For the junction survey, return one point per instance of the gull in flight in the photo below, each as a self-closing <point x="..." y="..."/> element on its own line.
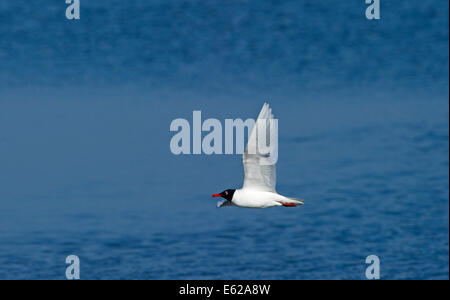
<point x="258" y="190"/>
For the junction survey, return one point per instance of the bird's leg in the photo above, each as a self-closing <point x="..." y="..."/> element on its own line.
<point x="285" y="204"/>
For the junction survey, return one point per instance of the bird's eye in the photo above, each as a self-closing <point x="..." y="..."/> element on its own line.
<point x="226" y="193"/>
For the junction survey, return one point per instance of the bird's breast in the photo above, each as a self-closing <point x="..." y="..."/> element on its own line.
<point x="254" y="198"/>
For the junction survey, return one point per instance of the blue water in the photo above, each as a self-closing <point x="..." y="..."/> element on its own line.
<point x="85" y="164"/>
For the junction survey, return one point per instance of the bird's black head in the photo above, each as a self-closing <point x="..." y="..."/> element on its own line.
<point x="227" y="194"/>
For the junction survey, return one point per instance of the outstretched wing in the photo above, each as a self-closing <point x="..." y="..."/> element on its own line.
<point x="260" y="155"/>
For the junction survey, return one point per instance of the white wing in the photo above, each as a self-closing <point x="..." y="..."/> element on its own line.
<point x="260" y="166"/>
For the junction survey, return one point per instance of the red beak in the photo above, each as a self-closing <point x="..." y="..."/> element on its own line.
<point x="216" y="195"/>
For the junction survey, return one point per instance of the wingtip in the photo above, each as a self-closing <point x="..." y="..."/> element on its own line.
<point x="266" y="112"/>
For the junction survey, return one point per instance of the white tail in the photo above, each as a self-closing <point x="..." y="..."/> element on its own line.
<point x="297" y="201"/>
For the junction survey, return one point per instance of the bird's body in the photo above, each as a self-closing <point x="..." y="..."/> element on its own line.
<point x="258" y="190"/>
<point x="261" y="199"/>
